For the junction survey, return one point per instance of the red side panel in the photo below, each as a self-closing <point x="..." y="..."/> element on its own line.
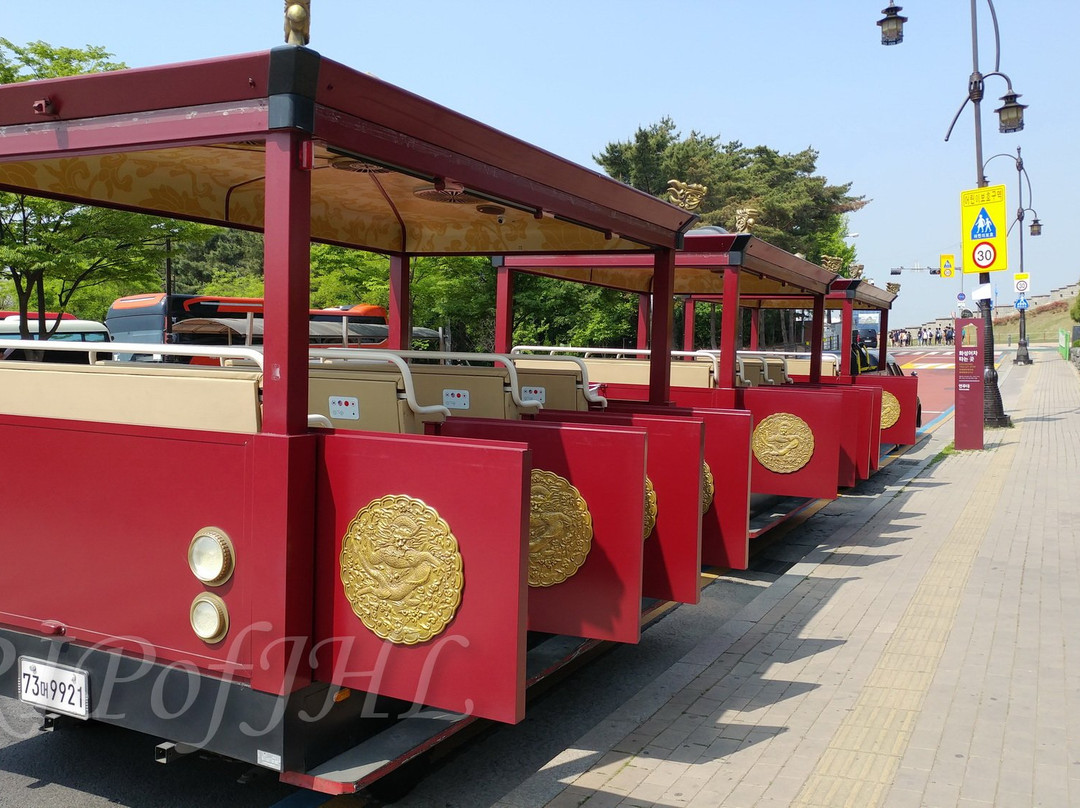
<point x="817" y="479"/>
<point x="97" y="523"/>
<point x="602" y="600"/>
<point x="672" y="568"/>
<point x="725" y="525"/>
<point x="906" y="390"/>
<point x="871" y="421"/>
<point x="856" y="433"/>
<point x="821" y="409"/>
<point x="476" y="665"/>
<point x="720" y="398"/>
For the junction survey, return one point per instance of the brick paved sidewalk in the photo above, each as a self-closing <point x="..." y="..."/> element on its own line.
<point x="927" y="653"/>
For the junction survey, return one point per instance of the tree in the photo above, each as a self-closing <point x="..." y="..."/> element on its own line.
<point x="793" y="207"/>
<point x="39" y="60"/>
<point x="549" y="311"/>
<point x="223" y="256"/>
<point x="797" y="210"/>
<point x="52" y="249"/>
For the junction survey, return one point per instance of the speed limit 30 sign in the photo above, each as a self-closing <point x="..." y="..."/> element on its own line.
<point x="1021" y="282"/>
<point x="984" y="254"/>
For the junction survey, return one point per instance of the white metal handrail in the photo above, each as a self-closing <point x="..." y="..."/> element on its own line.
<point x="455" y="356"/>
<point x="373" y="357"/>
<point x="154" y="349"/>
<point x="646" y="352"/>
<point x="590" y="395"/>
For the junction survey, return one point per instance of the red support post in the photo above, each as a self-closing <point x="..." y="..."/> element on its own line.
<point x="847" y="337"/>
<point x="504" y="310"/>
<point x="662" y="315"/>
<point x="283" y="498"/>
<point x="399" y="317"/>
<point x="729" y="328"/>
<point x="688" y="324"/>
<point x="286" y="258"/>
<point x="755" y="329"/>
<point x="883" y="339"/>
<point x="643" y="322"/>
<point x="817" y="339"/>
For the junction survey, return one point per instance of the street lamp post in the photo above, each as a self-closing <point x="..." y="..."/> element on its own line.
<point x="1022" y="356"/>
<point x="1010" y="119"/>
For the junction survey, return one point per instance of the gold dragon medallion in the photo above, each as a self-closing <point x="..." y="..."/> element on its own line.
<point x="650" y="509"/>
<point x="401" y="569"/>
<point x="560" y="529"/>
<point x="783" y="443"/>
<point x="708" y="486"/>
<point x="890" y="409"/>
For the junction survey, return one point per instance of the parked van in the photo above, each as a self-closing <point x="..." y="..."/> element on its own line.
<point x="68" y="330"/>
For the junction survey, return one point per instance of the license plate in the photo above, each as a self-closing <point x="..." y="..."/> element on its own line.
<point x="54" y="687"/>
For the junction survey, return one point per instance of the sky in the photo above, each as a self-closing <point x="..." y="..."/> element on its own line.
<point x="571" y="77"/>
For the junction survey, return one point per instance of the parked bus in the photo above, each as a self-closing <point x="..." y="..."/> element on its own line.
<point x="151" y="318"/>
<point x="181" y="319"/>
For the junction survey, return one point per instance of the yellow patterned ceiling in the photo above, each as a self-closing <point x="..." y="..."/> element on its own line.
<point x="371" y="209"/>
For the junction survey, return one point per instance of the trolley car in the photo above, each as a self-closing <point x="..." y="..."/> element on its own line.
<point x="365" y="537"/>
<point x="321" y="576"/>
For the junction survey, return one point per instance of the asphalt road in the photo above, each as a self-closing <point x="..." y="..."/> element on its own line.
<point x="91" y="765"/>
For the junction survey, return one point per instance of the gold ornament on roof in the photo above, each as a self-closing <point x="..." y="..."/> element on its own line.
<point x="401" y="569"/>
<point x="297" y="22"/>
<point x="833" y="263"/>
<point x="890" y="409"/>
<point x="783" y="443"/>
<point x="560" y="529"/>
<point x="893" y="288"/>
<point x="745" y="219"/>
<point x="687" y="195"/>
<point x="856" y="271"/>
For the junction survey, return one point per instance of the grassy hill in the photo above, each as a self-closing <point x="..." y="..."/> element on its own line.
<point x="1042" y="324"/>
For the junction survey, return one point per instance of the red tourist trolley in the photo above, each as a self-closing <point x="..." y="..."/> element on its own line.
<point x="371" y="539"/>
<point x="321" y="576"/>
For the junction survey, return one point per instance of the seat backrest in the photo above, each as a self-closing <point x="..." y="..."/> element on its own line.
<point x="557" y="388"/>
<point x="692" y="373"/>
<point x="357" y="397"/>
<point x="177" y="396"/>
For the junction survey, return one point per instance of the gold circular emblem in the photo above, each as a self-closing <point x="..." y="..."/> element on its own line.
<point x="708" y="486"/>
<point x="650" y="508"/>
<point x="783" y="443"/>
<point x="560" y="529"/>
<point x="401" y="569"/>
<point x="890" y="409"/>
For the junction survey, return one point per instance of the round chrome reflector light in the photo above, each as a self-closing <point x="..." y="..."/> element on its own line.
<point x="209" y="617"/>
<point x="211" y="556"/>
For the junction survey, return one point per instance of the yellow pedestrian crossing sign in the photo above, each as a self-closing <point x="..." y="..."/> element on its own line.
<point x="948" y="265"/>
<point x="983" y="220"/>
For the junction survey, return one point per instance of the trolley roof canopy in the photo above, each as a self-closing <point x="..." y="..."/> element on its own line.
<point x="390" y="172"/>
<point x="769" y="277"/>
<point x="699" y="267"/>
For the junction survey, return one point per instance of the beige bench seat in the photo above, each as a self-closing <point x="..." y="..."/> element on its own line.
<point x="177" y="396"/>
<point x="556" y="387"/>
<point x="465" y="390"/>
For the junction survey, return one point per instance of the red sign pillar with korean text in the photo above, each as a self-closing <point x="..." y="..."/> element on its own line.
<point x="968" y="418"/>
